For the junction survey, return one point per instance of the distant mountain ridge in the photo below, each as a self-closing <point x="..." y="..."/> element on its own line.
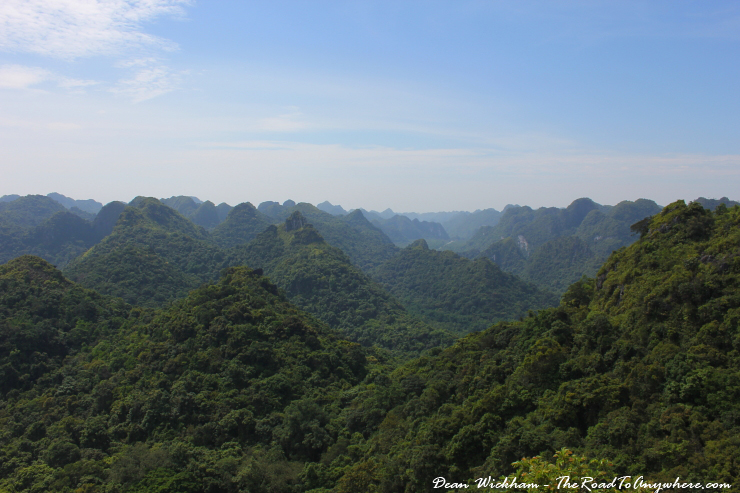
<point x="205" y="214"/>
<point x="551" y="247"/>
<point x="712" y="204"/>
<point x="365" y="244"/>
<point x="406" y="227"/>
<point x="554" y="247"/>
<point x="88" y="205"/>
<point x="335" y="210"/>
<point x="402" y="230"/>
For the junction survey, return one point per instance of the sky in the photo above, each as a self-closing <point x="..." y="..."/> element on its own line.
<point x="414" y="105"/>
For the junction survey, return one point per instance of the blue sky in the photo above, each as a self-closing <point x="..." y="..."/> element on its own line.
<point x="417" y="106"/>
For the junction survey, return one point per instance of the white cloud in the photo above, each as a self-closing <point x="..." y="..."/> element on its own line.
<point x="69" y="83"/>
<point x="70" y="29"/>
<point x="21" y="77"/>
<point x="469" y="160"/>
<point x="148" y="83"/>
<point x="136" y="62"/>
<point x="80" y="28"/>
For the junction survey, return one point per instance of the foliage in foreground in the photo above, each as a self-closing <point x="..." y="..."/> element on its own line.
<point x="231" y="389"/>
<point x="640" y="366"/>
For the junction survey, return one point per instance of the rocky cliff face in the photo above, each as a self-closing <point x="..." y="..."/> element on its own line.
<point x="295" y="221"/>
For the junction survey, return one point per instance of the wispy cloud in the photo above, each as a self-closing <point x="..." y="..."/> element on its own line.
<point x="464" y="160"/>
<point x="23" y="77"/>
<point x="136" y="62"/>
<point x="149" y="82"/>
<point x="71" y="29"/>
<point x="69" y="83"/>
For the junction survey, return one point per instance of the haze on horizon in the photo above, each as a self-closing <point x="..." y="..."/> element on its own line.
<point x="416" y="106"/>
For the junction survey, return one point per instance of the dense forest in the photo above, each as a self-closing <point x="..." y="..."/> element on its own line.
<point x="322" y="280"/>
<point x="554" y="247"/>
<point x="188" y="347"/>
<point x="457" y="293"/>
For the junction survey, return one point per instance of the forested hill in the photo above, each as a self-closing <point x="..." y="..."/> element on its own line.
<point x="235" y="389"/>
<point x="204" y="214"/>
<point x="41" y="226"/>
<point x="554" y="247"/>
<point x="29" y="211"/>
<point x="366" y="245"/>
<point x="402" y="230"/>
<point x="44" y="318"/>
<point x="153" y="255"/>
<point x="457" y="293"/>
<point x="640" y="366"/>
<point x="321" y="279"/>
<point x="243" y="223"/>
<point x="231" y="389"/>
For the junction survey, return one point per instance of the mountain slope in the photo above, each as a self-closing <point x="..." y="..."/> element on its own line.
<point x="465" y="224"/>
<point x="230" y="389"/>
<point x="321" y="279"/>
<point x="402" y="230"/>
<point x="152" y="256"/>
<point x="366" y="245"/>
<point x="536" y="226"/>
<point x="243" y="223"/>
<point x="106" y="219"/>
<point x="204" y="214"/>
<point x="29" y="211"/>
<point x="61" y="238"/>
<point x="459" y="294"/>
<point x="181" y="203"/>
<point x="41" y="226"/>
<point x="639" y="366"/>
<point x="44" y="318"/>
<point x="607" y="231"/>
<point x="555" y="247"/>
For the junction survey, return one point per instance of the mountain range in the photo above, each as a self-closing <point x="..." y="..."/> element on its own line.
<point x="250" y="384"/>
